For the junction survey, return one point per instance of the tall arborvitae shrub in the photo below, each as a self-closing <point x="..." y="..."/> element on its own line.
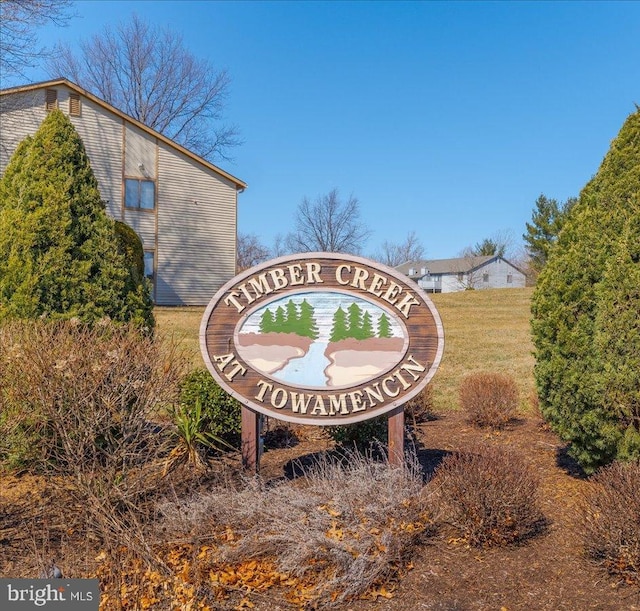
<point x="585" y="313"/>
<point x="59" y="254"/>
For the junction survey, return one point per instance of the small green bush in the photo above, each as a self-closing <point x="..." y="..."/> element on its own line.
<point x="610" y="520"/>
<point x="130" y="245"/>
<point x="220" y="414"/>
<point x="363" y="436"/>
<point x="489" y="399"/>
<point x="489" y="495"/>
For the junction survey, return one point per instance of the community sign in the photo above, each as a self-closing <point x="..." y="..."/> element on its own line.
<point x="321" y="338"/>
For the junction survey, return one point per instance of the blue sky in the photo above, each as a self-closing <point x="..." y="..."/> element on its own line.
<point x="444" y="118"/>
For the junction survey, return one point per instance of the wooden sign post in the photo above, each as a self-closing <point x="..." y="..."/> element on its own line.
<point x="323" y="339"/>
<point x="396" y="437"/>
<point x="250" y="440"/>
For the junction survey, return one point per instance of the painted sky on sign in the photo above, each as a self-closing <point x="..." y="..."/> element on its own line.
<point x="444" y="118"/>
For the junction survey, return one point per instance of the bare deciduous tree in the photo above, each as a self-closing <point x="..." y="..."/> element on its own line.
<point x="250" y="251"/>
<point x="468" y="276"/>
<point x="329" y="224"/>
<point x="501" y="243"/>
<point x="148" y="73"/>
<point x="279" y="247"/>
<point x="19" y="20"/>
<point x="395" y="254"/>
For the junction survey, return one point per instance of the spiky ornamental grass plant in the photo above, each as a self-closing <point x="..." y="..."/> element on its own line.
<point x="59" y="254"/>
<point x="585" y="314"/>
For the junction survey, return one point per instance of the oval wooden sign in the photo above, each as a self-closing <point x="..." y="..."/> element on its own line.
<point x="321" y="338"/>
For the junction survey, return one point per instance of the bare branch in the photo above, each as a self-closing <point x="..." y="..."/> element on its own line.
<point x="19" y="20"/>
<point x="329" y="225"/>
<point x="147" y="72"/>
<point x="396" y="254"/>
<point x="250" y="251"/>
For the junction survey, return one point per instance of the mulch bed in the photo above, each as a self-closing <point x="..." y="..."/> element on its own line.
<point x="548" y="572"/>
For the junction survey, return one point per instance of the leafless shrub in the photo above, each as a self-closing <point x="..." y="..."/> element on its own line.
<point x="344" y="527"/>
<point x="88" y="401"/>
<point x="489" y="496"/>
<point x="489" y="399"/>
<point x="419" y="409"/>
<point x="610" y="520"/>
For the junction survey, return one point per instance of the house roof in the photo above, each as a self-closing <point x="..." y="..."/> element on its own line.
<point x="446" y="266"/>
<point x="239" y="184"/>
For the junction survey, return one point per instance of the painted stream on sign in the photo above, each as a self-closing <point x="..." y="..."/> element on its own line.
<point x="308" y="370"/>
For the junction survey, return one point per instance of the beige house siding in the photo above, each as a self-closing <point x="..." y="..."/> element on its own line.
<point x="140" y="153"/>
<point x="140" y="161"/>
<point x="200" y="209"/>
<point x="192" y="229"/>
<point x="101" y="134"/>
<point x="144" y="224"/>
<point x="20" y="115"/>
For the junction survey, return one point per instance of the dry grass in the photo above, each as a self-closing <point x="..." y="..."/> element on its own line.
<point x="346" y="527"/>
<point x="183" y="325"/>
<point x="483" y="329"/>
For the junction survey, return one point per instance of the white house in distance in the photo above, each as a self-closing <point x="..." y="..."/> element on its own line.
<point x="450" y="275"/>
<point x="183" y="208"/>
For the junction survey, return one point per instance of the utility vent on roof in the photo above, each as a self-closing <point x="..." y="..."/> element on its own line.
<point x="51" y="99"/>
<point x="74" y="104"/>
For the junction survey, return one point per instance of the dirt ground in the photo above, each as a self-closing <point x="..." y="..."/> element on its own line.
<point x="548" y="572"/>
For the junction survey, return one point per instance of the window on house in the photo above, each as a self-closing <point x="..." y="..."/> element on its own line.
<point x="460" y="276"/>
<point x="74" y="104"/>
<point x="149" y="259"/>
<point x="50" y="99"/>
<point x="485" y="277"/>
<point x="412" y="271"/>
<point x="139" y="194"/>
<point x="509" y="278"/>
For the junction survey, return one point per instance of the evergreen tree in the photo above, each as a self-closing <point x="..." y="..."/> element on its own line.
<point x="585" y="310"/>
<point x="291" y="316"/>
<point x="617" y="338"/>
<point x="489" y="248"/>
<point x="367" y="326"/>
<point x="280" y="321"/>
<point x="307" y="322"/>
<point x="546" y="222"/>
<point x="267" y="323"/>
<point x="339" y="329"/>
<point x="130" y="245"/>
<point x="355" y="321"/>
<point x="59" y="252"/>
<point x="384" y="326"/>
